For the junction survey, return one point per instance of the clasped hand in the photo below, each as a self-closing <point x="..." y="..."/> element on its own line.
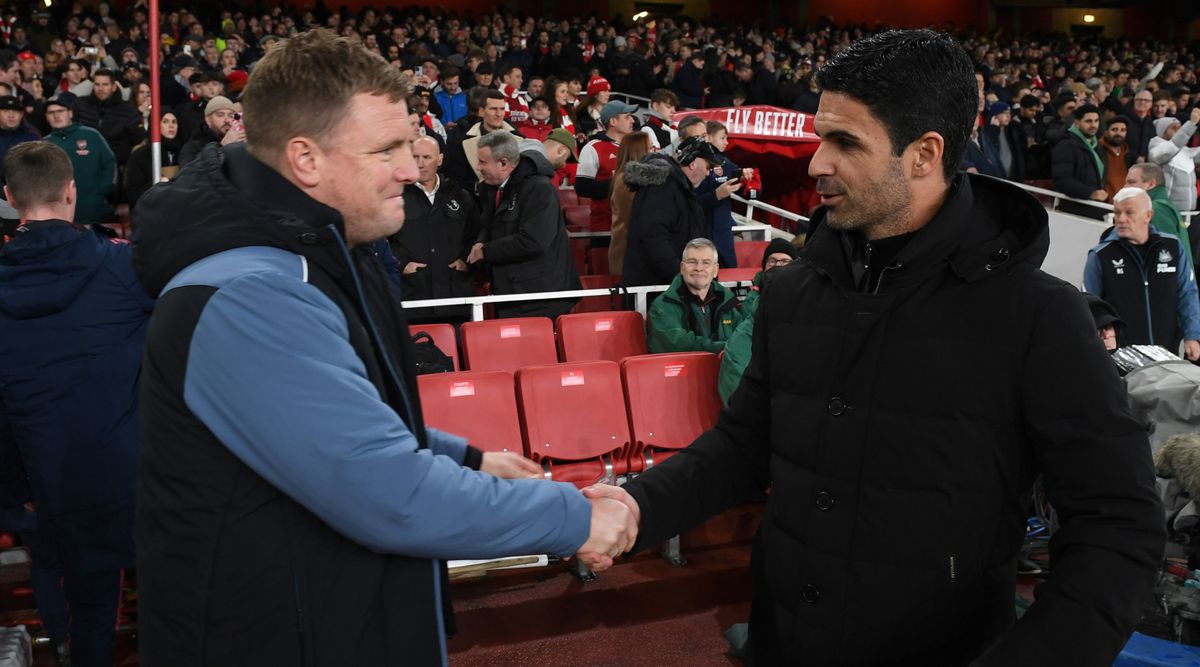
<point x="615" y="518"/>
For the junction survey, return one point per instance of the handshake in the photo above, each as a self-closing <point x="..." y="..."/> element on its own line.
<point x="615" y="518"/>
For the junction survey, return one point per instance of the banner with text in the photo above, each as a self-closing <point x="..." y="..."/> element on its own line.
<point x="763" y="123"/>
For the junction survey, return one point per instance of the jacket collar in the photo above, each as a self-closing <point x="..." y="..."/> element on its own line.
<point x="284" y="199"/>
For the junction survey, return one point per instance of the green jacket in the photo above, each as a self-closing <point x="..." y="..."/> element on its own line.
<point x="1167" y="219"/>
<point x="737" y="348"/>
<point x="95" y="169"/>
<point x="677" y="325"/>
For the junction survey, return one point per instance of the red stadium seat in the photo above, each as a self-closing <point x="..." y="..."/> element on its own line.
<point x="749" y="253"/>
<point x="748" y="273"/>
<point x="480" y="406"/>
<point x="672" y="399"/>
<point x="579" y="217"/>
<point x="598" y="261"/>
<point x="579" y="249"/>
<point x="595" y="304"/>
<point x="508" y="344"/>
<point x="611" y="335"/>
<point x="443" y="336"/>
<point x="567" y="198"/>
<point x="574" y="420"/>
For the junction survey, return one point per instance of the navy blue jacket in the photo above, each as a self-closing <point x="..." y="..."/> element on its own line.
<point x="74" y="321"/>
<point x="719" y="212"/>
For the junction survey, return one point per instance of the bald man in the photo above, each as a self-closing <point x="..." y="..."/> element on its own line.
<point x="1143" y="274"/>
<point x="440" y="224"/>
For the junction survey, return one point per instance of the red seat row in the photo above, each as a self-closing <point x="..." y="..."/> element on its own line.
<point x="509" y="344"/>
<point x="586" y="422"/>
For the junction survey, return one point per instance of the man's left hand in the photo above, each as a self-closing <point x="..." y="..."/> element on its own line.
<point x="476" y="254"/>
<point x="507" y="465"/>
<point x="1191" y="349"/>
<point x="458" y="265"/>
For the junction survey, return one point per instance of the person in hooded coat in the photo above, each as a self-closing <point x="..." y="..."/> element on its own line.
<point x="74" y="319"/>
<point x="911" y="374"/>
<point x="666" y="213"/>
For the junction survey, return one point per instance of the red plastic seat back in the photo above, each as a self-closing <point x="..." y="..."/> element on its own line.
<point x="567" y="198"/>
<point x="573" y="415"/>
<point x="610" y="335"/>
<point x="593" y="304"/>
<point x="748" y="273"/>
<point x="579" y="216"/>
<point x="598" y="261"/>
<point x="508" y="344"/>
<point x="443" y="337"/>
<point x="749" y="253"/>
<point x="480" y="406"/>
<point x="672" y="399"/>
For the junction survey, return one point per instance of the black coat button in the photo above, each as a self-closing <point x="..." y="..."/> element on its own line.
<point x="836" y="407"/>
<point x="810" y="594"/>
<point x="825" y="501"/>
<point x="309" y="238"/>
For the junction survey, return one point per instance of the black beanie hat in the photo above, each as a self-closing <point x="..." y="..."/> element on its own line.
<point x="778" y="245"/>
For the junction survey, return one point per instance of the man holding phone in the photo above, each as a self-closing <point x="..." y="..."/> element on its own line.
<point x="222" y="124"/>
<point x="714" y="194"/>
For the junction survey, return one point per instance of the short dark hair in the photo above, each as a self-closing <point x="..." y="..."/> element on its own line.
<point x="1086" y="109"/>
<point x="507" y="68"/>
<point x="883" y="70"/>
<point x="104" y="71"/>
<point x="1123" y="120"/>
<point x="7" y="57"/>
<point x="36" y="173"/>
<point x="570" y="75"/>
<point x="663" y="95"/>
<point x="479" y="96"/>
<point x="1062" y="100"/>
<point x="449" y="72"/>
<point x="689" y="121"/>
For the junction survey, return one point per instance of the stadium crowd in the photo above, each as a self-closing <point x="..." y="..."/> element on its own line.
<point x="503" y="110"/>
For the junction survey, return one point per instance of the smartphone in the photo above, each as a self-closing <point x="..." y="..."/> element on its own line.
<point x="237" y="123"/>
<point x="187" y="48"/>
<point x="91" y="50"/>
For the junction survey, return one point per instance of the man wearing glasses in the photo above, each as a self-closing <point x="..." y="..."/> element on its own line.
<point x="697" y="313"/>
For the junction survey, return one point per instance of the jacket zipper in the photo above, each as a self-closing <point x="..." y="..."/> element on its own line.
<point x="398" y="380"/>
<point x="1137" y="258"/>
<point x="879" y="283"/>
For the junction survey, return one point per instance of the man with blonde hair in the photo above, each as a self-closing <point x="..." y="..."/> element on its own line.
<point x="293" y="509"/>
<point x="1145" y="275"/>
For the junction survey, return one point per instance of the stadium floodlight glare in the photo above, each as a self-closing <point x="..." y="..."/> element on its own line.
<point x="1088" y="18"/>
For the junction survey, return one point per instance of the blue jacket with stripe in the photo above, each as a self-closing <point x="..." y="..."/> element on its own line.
<point x="290" y="496"/>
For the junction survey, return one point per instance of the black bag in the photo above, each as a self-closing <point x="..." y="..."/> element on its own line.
<point x="428" y="357"/>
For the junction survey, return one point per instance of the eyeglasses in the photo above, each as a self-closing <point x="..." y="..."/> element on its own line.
<point x="778" y="262"/>
<point x="706" y="263"/>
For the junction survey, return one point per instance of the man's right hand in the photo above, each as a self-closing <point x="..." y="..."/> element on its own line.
<point x="412" y="267"/>
<point x="613" y="532"/>
<point x="1100" y="195"/>
<point x="727" y="188"/>
<point x="233" y="136"/>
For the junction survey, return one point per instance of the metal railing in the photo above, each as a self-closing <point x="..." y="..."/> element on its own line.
<point x="749" y="227"/>
<point x="641" y="296"/>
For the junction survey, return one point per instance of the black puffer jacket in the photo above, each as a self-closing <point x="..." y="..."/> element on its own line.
<point x="664" y="217"/>
<point x="116" y="119"/>
<point x="900" y="432"/>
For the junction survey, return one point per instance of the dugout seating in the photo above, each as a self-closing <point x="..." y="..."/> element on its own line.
<point x="480" y="406"/>
<point x="508" y="344"/>
<point x="672" y="398"/>
<point x="609" y="335"/>
<point x="443" y="337"/>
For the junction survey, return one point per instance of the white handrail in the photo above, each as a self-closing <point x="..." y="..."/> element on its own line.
<point x="641" y="296"/>
<point x="749" y="226"/>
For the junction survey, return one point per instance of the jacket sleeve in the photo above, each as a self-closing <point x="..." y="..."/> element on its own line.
<point x="1093" y="281"/>
<point x="726" y="465"/>
<point x="1162" y="150"/>
<point x="735" y="359"/>
<point x="1189" y="298"/>
<point x="540" y="219"/>
<point x="1062" y="170"/>
<point x="108" y="166"/>
<point x="1095" y="463"/>
<point x="267" y="354"/>
<point x="137" y="177"/>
